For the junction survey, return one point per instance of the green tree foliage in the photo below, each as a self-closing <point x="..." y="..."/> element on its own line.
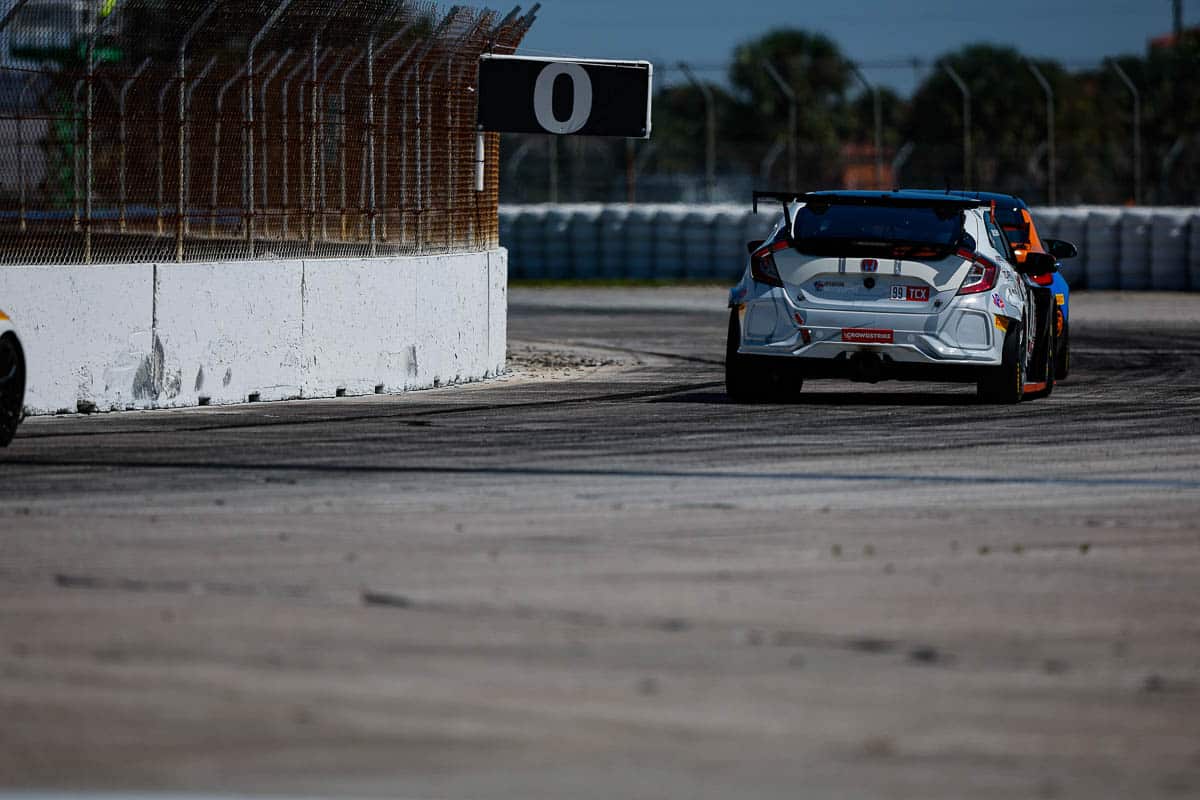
<point x="1093" y="120"/>
<point x="814" y="68"/>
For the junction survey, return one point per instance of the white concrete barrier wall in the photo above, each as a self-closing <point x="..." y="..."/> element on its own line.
<point x="111" y="337"/>
<point x="1120" y="248"/>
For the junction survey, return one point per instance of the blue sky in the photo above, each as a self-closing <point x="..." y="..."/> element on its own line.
<point x="870" y="31"/>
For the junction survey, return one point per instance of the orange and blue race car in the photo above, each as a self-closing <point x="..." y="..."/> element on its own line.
<point x="1019" y="228"/>
<point x="12" y="380"/>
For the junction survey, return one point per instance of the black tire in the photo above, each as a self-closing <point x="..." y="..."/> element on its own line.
<point x="754" y="379"/>
<point x="1049" y="358"/>
<point x="1005" y="384"/>
<point x="1062" y="358"/>
<point x="12" y="387"/>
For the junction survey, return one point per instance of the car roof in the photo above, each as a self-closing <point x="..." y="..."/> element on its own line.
<point x="999" y="197"/>
<point x="897" y="197"/>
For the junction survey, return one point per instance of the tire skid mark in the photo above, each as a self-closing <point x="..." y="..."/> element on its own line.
<point x="178" y="586"/>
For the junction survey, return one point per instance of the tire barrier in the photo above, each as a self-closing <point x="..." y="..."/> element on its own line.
<point x="1119" y="248"/>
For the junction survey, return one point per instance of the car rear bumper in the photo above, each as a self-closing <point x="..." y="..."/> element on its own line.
<point x="957" y="343"/>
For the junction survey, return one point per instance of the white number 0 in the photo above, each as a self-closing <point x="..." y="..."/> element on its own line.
<point x="543" y="98"/>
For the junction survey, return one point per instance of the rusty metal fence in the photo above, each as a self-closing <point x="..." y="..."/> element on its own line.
<point x="182" y="130"/>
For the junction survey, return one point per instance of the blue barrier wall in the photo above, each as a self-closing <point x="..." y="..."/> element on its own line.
<point x="1119" y="248"/>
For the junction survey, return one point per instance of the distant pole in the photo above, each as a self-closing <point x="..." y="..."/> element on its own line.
<point x="1177" y="19"/>
<point x="790" y="94"/>
<point x="710" y="132"/>
<point x="877" y="106"/>
<point x="1051" y="169"/>
<point x="1137" y="130"/>
<point x="552" y="163"/>
<point x="630" y="175"/>
<point x="966" y="117"/>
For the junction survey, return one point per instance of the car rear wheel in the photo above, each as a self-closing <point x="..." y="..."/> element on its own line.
<point x="1006" y="383"/>
<point x="12" y="386"/>
<point x="754" y="379"/>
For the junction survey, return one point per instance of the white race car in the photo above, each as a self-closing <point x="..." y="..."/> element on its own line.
<point x="872" y="286"/>
<point x="12" y="380"/>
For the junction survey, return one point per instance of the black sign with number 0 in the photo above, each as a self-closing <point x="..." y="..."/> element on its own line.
<point x="564" y="96"/>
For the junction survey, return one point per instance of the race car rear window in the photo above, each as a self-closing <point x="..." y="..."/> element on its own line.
<point x="895" y="232"/>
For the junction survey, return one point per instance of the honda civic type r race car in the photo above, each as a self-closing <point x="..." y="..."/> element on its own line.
<point x="898" y="285"/>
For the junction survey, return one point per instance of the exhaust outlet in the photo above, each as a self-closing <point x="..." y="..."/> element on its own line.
<point x="866" y="368"/>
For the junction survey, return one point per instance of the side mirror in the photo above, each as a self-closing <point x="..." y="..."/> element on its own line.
<point x="1060" y="249"/>
<point x="1038" y="264"/>
<point x="753" y="245"/>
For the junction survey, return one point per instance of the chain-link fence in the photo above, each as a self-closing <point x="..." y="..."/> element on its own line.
<point x="156" y="130"/>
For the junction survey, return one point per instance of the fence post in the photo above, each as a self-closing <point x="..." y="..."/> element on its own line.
<point x="248" y="119"/>
<point x="216" y="169"/>
<point x="161" y="140"/>
<point x="181" y="211"/>
<point x="263" y="124"/>
<point x="121" y="97"/>
<point x="187" y="173"/>
<point x="1137" y="129"/>
<point x="21" y="150"/>
<point x="285" y="225"/>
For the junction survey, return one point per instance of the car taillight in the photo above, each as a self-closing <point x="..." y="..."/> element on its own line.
<point x="1045" y="279"/>
<point x="982" y="275"/>
<point x="762" y="263"/>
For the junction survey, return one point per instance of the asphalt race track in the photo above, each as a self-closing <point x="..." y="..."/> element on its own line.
<point x="600" y="579"/>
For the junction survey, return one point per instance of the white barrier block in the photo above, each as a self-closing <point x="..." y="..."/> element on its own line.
<point x="359" y="316"/>
<point x="497" y="332"/>
<point x="452" y="318"/>
<point x="86" y="333"/>
<point x="228" y="330"/>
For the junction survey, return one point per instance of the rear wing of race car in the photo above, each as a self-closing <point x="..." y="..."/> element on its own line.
<point x="899" y="199"/>
<point x="785" y="199"/>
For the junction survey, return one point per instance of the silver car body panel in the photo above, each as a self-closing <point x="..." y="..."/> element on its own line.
<point x="825" y="300"/>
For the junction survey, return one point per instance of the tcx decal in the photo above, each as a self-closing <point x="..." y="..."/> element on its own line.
<point x="917" y="294"/>
<point x="998" y="300"/>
